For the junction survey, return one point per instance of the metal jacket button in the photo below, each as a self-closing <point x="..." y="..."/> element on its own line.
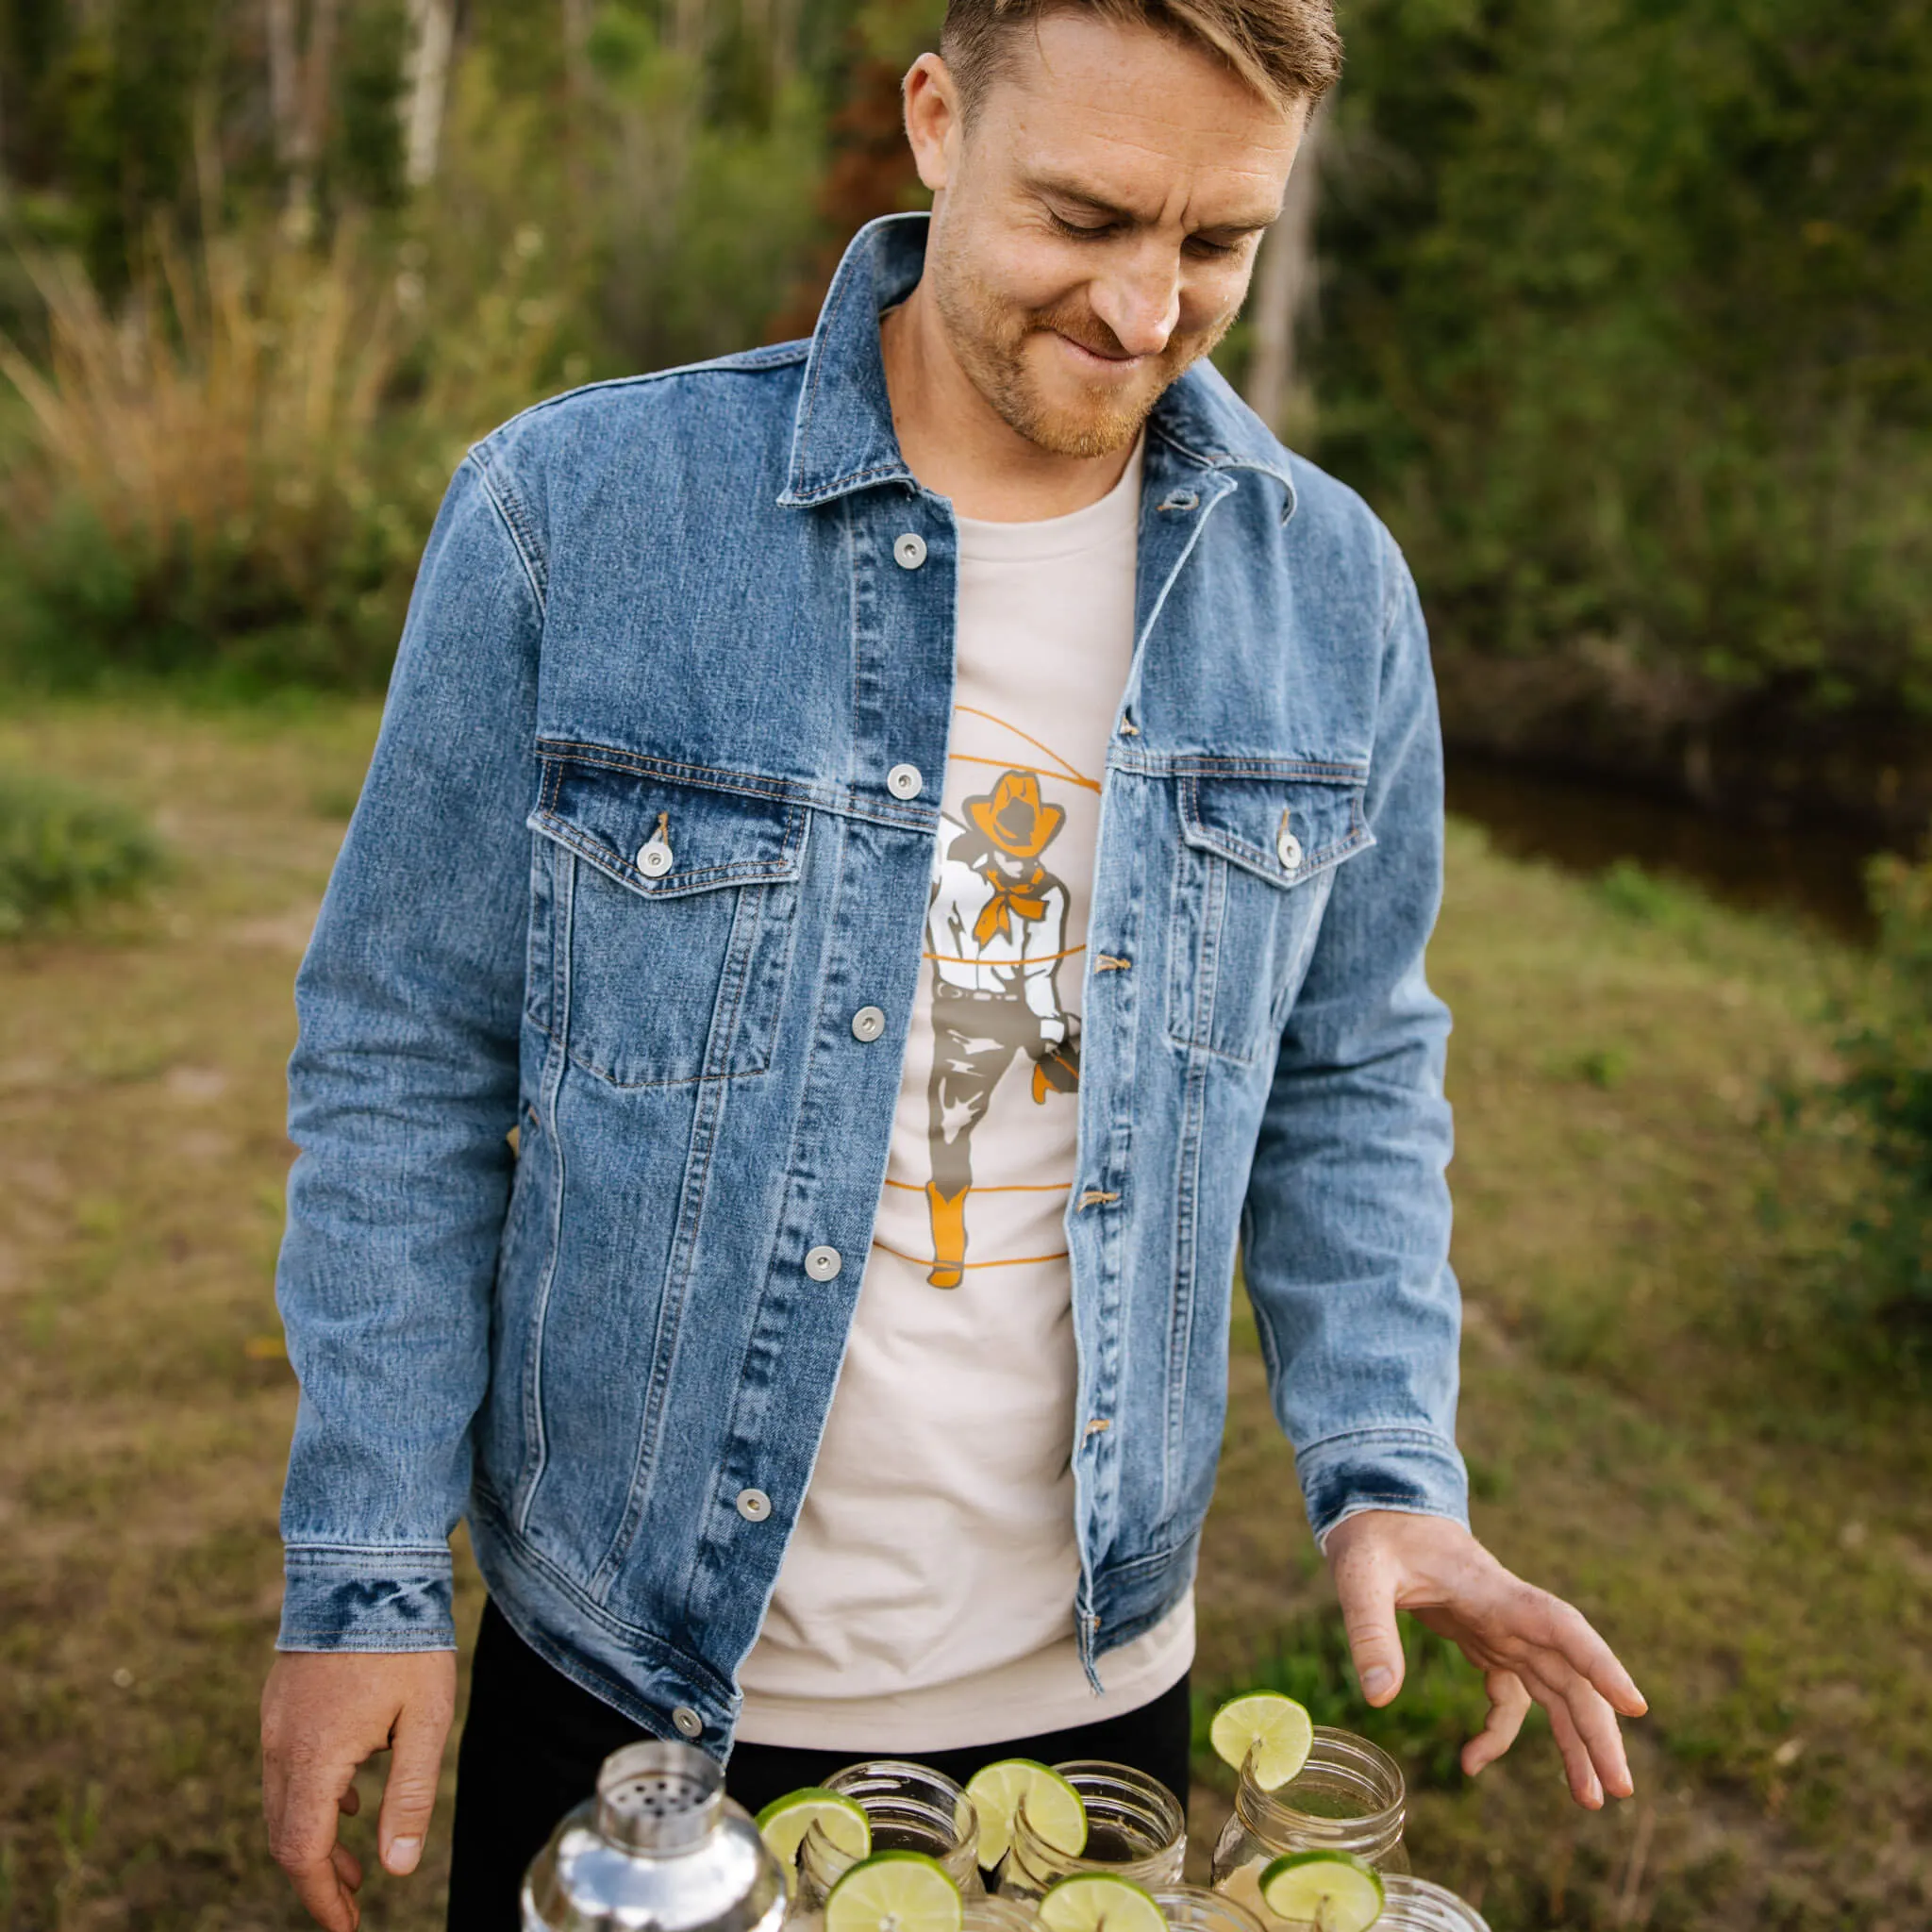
<point x="1287" y="849"/>
<point x="687" y="1722"/>
<point x="903" y="781"/>
<point x="822" y="1264"/>
<point x="754" y="1505"/>
<point x="868" y="1022"/>
<point x="908" y="551"/>
<point x="654" y="860"/>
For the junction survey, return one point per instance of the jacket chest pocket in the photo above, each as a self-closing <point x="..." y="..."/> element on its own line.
<point x="661" y="924"/>
<point x="1255" y="866"/>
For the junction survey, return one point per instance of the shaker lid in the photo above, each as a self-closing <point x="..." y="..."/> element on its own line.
<point x="658" y="1796"/>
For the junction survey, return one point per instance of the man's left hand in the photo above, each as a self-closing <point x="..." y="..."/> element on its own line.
<point x="1527" y="1643"/>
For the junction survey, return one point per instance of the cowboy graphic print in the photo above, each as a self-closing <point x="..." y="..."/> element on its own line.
<point x="996" y="931"/>
<point x="987" y="1123"/>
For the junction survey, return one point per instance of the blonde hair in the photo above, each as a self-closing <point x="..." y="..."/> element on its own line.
<point x="1286" y="50"/>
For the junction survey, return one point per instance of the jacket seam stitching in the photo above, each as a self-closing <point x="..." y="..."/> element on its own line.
<point x="744" y="871"/>
<point x="784" y="790"/>
<point x="519" y="529"/>
<point x="1394" y="1432"/>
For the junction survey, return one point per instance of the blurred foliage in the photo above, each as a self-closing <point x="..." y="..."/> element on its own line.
<point x="1622" y="321"/>
<point x="244" y="385"/>
<point x="1888" y="1052"/>
<point x="1623" y="327"/>
<point x="64" y="852"/>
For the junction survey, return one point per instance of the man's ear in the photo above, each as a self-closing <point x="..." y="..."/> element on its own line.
<point x="934" y="128"/>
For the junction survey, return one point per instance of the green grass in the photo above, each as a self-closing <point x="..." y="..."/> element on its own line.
<point x="1665" y="1417"/>
<point x="65" y="851"/>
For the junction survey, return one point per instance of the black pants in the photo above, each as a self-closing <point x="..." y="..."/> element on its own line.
<point x="533" y="1740"/>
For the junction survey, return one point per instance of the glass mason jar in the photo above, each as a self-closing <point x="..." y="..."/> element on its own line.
<point x="1413" y="1904"/>
<point x="1348" y="1797"/>
<point x="910" y="1808"/>
<point x="998" y="1915"/>
<point x="1195" y="1908"/>
<point x="1136" y="1829"/>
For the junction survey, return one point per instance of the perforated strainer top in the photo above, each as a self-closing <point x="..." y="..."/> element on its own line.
<point x="658" y="1797"/>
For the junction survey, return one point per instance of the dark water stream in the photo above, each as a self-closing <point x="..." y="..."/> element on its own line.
<point x="1814" y="873"/>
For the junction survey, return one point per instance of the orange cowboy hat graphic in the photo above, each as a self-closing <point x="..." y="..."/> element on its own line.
<point x="1012" y="816"/>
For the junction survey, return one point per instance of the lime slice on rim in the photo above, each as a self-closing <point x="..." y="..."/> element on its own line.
<point x="785" y="1821"/>
<point x="1275" y="1729"/>
<point x="895" y="1891"/>
<point x="1052" y="1808"/>
<point x="1333" y="1891"/>
<point x="1096" y="1902"/>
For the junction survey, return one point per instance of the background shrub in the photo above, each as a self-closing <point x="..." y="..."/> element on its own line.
<point x="1888" y="1051"/>
<point x="64" y="852"/>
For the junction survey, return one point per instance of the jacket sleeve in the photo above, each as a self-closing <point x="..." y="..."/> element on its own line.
<point x="403" y="1088"/>
<point x="1345" y="1233"/>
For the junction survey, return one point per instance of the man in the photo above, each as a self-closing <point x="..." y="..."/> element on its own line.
<point x="697" y="667"/>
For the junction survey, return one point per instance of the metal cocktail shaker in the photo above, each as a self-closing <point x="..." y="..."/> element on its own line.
<point x="660" y="1848"/>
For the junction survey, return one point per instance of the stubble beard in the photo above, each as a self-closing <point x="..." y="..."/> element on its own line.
<point x="988" y="337"/>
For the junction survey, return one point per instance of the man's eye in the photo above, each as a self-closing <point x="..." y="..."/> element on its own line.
<point x="1210" y="250"/>
<point x="1078" y="231"/>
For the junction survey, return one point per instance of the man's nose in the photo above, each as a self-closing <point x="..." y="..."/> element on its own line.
<point x="1141" y="301"/>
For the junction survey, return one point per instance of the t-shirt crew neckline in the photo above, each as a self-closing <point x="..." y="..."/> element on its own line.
<point x="1040" y="539"/>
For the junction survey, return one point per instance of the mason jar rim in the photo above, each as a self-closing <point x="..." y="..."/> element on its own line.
<point x="1338" y="1757"/>
<point x="1135" y="1798"/>
<point x="1415" y="1905"/>
<point x="914" y="1796"/>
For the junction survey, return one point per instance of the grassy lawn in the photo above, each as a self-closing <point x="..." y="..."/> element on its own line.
<point x="1658" y="1423"/>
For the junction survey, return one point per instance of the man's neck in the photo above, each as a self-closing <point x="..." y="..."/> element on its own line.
<point x="959" y="446"/>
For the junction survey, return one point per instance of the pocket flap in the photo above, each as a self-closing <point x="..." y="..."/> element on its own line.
<point x="666" y="836"/>
<point x="1284" y="830"/>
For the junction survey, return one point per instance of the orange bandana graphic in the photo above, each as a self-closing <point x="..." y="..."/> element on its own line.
<point x="1009" y="896"/>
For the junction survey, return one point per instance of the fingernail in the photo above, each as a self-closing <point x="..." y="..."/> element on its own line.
<point x="1376" y="1680"/>
<point x="403" y="1854"/>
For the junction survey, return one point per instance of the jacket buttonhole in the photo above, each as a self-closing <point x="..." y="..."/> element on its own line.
<point x="1109" y="962"/>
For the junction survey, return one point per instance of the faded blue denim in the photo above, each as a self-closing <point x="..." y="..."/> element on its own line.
<point x="671" y="606"/>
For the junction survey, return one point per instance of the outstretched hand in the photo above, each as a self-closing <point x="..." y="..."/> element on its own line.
<point x="1527" y="1643"/>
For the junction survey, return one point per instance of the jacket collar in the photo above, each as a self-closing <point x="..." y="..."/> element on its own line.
<point x="841" y="436"/>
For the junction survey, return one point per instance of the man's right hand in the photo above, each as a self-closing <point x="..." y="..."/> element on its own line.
<point x="322" y="1713"/>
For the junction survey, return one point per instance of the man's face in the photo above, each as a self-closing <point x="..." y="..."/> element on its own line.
<point x="1095" y="222"/>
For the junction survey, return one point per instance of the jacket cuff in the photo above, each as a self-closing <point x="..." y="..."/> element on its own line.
<point x="1414" y="1470"/>
<point x="337" y="1598"/>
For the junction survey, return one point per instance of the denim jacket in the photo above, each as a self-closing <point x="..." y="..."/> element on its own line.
<point x="651" y="818"/>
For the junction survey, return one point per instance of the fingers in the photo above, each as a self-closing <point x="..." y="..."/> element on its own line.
<point x="1366" y="1589"/>
<point x="350" y="1802"/>
<point x="1552" y="1624"/>
<point x="409" y="1796"/>
<point x="1584" y="1784"/>
<point x="1597" y="1726"/>
<point x="303" y="1839"/>
<point x="1509" y="1705"/>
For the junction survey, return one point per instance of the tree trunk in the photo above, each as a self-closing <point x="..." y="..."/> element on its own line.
<point x="784" y="41"/>
<point x="282" y="76"/>
<point x="1286" y="285"/>
<point x="432" y="25"/>
<point x="311" y="112"/>
<point x="688" y="26"/>
<point x="577" y="36"/>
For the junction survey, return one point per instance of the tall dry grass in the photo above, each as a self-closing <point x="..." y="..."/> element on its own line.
<point x="233" y="469"/>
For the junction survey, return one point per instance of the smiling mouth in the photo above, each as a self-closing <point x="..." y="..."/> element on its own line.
<point x="1098" y="358"/>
